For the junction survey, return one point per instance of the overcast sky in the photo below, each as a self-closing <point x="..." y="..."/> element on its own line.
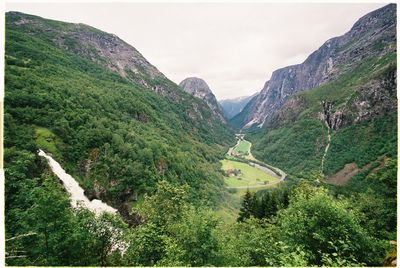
<point x="234" y="47"/>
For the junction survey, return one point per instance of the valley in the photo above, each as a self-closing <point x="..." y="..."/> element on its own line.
<point x="243" y="171"/>
<point x="108" y="162"/>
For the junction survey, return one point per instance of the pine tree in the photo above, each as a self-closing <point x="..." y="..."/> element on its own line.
<point x="247" y="206"/>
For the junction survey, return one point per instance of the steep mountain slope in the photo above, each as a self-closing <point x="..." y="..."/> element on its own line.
<point x="198" y="87"/>
<point x="108" y="116"/>
<point x="231" y="107"/>
<point x="348" y="118"/>
<point x="371" y="36"/>
<point x="237" y="120"/>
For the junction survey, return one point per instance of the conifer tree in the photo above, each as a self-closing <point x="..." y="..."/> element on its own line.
<point x="247" y="207"/>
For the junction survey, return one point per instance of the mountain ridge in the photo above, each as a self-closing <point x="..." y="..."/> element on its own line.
<point x="368" y="37"/>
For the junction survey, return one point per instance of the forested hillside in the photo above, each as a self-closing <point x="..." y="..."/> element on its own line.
<point x="137" y="141"/>
<point x="115" y="135"/>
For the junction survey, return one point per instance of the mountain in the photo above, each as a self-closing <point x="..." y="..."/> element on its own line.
<point x="231" y="107"/>
<point x="198" y="88"/>
<point x="111" y="119"/>
<point x="371" y="36"/>
<point x="138" y="143"/>
<point x="335" y="113"/>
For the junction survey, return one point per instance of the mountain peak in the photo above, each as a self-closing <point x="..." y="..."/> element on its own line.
<point x="197" y="87"/>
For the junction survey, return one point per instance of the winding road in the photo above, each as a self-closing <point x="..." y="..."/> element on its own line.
<point x="281" y="176"/>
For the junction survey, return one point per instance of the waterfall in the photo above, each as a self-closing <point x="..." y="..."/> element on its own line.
<point x="76" y="192"/>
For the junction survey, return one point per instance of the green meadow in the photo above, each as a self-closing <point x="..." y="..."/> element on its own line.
<point x="249" y="176"/>
<point x="242" y="148"/>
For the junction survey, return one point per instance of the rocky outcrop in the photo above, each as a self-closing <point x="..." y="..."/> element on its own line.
<point x="332" y="119"/>
<point x="373" y="35"/>
<point x="373" y="99"/>
<point x="198" y="88"/>
<point x="103" y="48"/>
<point x="287" y="114"/>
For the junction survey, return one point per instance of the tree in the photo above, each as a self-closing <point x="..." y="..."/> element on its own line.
<point x="326" y="230"/>
<point x="247" y="207"/>
<point x="174" y="232"/>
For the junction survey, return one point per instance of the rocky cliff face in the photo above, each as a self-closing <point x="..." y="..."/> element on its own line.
<point x="198" y="87"/>
<point x="373" y="99"/>
<point x="373" y="35"/>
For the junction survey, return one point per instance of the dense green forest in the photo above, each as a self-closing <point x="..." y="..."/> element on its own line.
<point x="148" y="155"/>
<point x="106" y="130"/>
<point x="115" y="136"/>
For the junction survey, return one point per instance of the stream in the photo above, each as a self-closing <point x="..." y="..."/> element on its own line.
<point x="76" y="192"/>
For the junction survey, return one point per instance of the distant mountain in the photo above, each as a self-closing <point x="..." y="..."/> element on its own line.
<point x="371" y="36"/>
<point x="198" y="87"/>
<point x="231" y="107"/>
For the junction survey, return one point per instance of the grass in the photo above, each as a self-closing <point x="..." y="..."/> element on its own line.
<point x="138" y="203"/>
<point x="250" y="176"/>
<point x="48" y="141"/>
<point x="242" y="148"/>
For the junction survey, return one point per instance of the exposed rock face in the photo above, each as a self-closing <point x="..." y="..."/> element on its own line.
<point x="372" y="35"/>
<point x="287" y="114"/>
<point x="231" y="107"/>
<point x="198" y="87"/>
<point x="374" y="99"/>
<point x="333" y="120"/>
<point x="105" y="49"/>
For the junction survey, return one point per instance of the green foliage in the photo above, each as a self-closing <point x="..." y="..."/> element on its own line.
<point x="362" y="143"/>
<point x="174" y="233"/>
<point x="373" y="195"/>
<point x="298" y="147"/>
<point x="247" y="207"/>
<point x="112" y="134"/>
<point x="327" y="231"/>
<point x="44" y="230"/>
<point x="123" y="140"/>
<point x="243" y="147"/>
<point x="264" y="204"/>
<point x="295" y="149"/>
<point x="47" y="140"/>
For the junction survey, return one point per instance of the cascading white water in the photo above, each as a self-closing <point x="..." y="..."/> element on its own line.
<point x="78" y="197"/>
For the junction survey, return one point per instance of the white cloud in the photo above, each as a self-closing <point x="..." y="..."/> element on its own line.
<point x="234" y="47"/>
